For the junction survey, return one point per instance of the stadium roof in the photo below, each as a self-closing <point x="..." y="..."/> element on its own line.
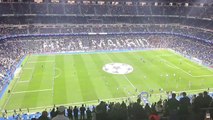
<point x="65" y="1"/>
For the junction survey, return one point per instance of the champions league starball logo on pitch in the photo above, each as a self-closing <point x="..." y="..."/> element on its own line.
<point x="118" y="68"/>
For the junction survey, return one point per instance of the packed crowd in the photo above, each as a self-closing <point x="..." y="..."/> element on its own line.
<point x="106" y="28"/>
<point x="175" y="107"/>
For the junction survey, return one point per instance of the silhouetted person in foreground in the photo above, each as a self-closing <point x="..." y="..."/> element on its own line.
<point x="53" y="113"/>
<point x="173" y="105"/>
<point x="89" y="114"/>
<point x="101" y="111"/>
<point x="44" y="116"/>
<point x="206" y="99"/>
<point x="138" y="112"/>
<point x="75" y="111"/>
<point x="184" y="107"/>
<point x="69" y="111"/>
<point x="154" y="115"/>
<point x="60" y="115"/>
<point x="197" y="105"/>
<point x="82" y="111"/>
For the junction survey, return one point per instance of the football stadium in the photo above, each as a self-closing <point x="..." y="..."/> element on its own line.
<point x="106" y="59"/>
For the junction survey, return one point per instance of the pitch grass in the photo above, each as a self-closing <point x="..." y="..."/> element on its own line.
<point x="70" y="79"/>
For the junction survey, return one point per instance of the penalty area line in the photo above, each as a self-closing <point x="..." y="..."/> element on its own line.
<point x="32" y="91"/>
<point x="41" y="61"/>
<point x="13" y="87"/>
<point x="27" y="68"/>
<point x="186" y="71"/>
<point x="178" y="67"/>
<point x="204" y="76"/>
<point x="23" y="81"/>
<point x="79" y="103"/>
<point x="196" y="90"/>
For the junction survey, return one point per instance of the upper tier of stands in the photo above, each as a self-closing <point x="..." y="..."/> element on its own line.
<point x="109" y="8"/>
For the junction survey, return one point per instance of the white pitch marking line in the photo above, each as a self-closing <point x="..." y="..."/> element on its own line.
<point x="27" y="68"/>
<point x="129" y="82"/>
<point x="164" y="55"/>
<point x="59" y="72"/>
<point x="187" y="91"/>
<point x="109" y="99"/>
<point x="195" y="90"/>
<point x="16" y="85"/>
<point x="182" y="55"/>
<point x="32" y="91"/>
<point x="32" y="74"/>
<point x="204" y="76"/>
<point x="79" y="103"/>
<point x="170" y="65"/>
<point x="23" y="81"/>
<point x="53" y="80"/>
<point x="178" y="67"/>
<point x="41" y="61"/>
<point x="10" y="94"/>
<point x="187" y="72"/>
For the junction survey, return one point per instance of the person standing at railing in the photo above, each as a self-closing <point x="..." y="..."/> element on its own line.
<point x="61" y="114"/>
<point x="82" y="112"/>
<point x="70" y="111"/>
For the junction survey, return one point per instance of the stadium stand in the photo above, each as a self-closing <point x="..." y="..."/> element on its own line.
<point x="185" y="27"/>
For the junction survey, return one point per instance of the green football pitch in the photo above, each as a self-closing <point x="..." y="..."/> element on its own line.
<point x="73" y="79"/>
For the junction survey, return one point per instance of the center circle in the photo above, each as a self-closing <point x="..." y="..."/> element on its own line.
<point x="117" y="68"/>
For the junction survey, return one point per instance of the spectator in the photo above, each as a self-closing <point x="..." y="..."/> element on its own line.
<point x="44" y="116"/>
<point x="184" y="107"/>
<point x="173" y="106"/>
<point x="75" y="111"/>
<point x="101" y="111"/>
<point x="69" y="111"/>
<point x="61" y="112"/>
<point x="148" y="109"/>
<point x="124" y="111"/>
<point x="138" y="111"/>
<point x="82" y="112"/>
<point x="159" y="107"/>
<point x="206" y="99"/>
<point x="89" y="114"/>
<point x="197" y="105"/>
<point x="53" y="113"/>
<point x="154" y="115"/>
